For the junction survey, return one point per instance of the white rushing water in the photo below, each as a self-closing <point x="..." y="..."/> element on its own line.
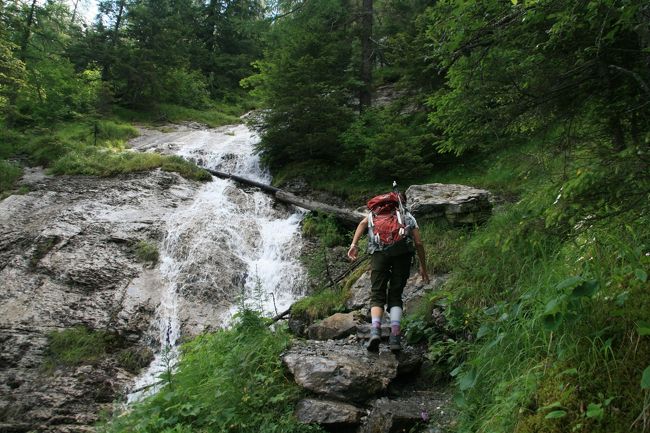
<point x="261" y="244"/>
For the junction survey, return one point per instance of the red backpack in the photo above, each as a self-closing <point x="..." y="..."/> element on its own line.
<point x="386" y="219"/>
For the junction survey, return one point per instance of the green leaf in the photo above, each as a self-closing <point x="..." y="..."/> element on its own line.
<point x="641" y="275"/>
<point x="622" y="298"/>
<point x="595" y="411"/>
<point x="554" y="305"/>
<point x="645" y="378"/>
<point x="569" y="282"/>
<point x="482" y="331"/>
<point x="569" y="372"/>
<point x="586" y="289"/>
<point x="553" y="405"/>
<point x="643" y="328"/>
<point x="555" y="414"/>
<point x="467" y="380"/>
<point x="552" y="321"/>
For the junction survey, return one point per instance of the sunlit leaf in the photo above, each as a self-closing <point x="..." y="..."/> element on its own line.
<point x="569" y="282"/>
<point x="555" y="414"/>
<point x="482" y="331"/>
<point x="553" y="306"/>
<point x="641" y="275"/>
<point x="595" y="411"/>
<point x="467" y="380"/>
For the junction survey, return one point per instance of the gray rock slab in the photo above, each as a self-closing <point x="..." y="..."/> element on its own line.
<point x="340" y="371"/>
<point x="67" y="259"/>
<point x="392" y="415"/>
<point x="459" y="204"/>
<point x="327" y="412"/>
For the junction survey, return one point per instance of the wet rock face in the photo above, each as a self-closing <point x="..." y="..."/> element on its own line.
<point x="459" y="204"/>
<point x="67" y="258"/>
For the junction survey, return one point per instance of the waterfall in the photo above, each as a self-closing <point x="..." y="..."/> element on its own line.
<point x="226" y="237"/>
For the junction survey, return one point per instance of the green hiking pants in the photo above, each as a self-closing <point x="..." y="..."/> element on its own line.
<point x="388" y="275"/>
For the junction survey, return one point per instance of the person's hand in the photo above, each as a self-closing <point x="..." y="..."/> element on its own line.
<point x="353" y="252"/>
<point x="424" y="274"/>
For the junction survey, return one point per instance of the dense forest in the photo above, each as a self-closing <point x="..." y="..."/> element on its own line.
<point x="544" y="102"/>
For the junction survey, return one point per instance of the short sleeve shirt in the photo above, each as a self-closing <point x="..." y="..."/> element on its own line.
<point x="411" y="224"/>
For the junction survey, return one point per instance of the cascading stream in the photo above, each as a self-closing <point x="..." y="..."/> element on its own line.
<point x="227" y="240"/>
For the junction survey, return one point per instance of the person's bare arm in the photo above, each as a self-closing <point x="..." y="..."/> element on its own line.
<point x="419" y="248"/>
<point x="353" y="252"/>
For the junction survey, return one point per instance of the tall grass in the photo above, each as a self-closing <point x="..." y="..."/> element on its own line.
<point x="77" y="345"/>
<point x="9" y="174"/>
<point x="217" y="114"/>
<point x="556" y="316"/>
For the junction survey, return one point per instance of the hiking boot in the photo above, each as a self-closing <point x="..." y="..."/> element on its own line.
<point x="395" y="342"/>
<point x="375" y="339"/>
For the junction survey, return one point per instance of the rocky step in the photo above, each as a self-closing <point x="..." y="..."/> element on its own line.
<point x="340" y="371"/>
<point x="431" y="411"/>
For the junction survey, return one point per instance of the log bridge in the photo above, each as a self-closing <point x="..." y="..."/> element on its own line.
<point x="347" y="217"/>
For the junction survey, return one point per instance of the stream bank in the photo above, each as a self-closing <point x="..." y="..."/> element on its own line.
<point x="69" y="261"/>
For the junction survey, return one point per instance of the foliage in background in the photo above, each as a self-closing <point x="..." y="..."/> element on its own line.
<point x="58" y="74"/>
<point x="304" y="81"/>
<point x="229" y="380"/>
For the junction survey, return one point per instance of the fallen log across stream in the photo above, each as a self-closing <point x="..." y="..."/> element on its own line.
<point x="347" y="217"/>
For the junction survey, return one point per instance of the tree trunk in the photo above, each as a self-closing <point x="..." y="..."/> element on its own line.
<point x="28" y="32"/>
<point x="114" y="39"/>
<point x="74" y="12"/>
<point x="365" y="94"/>
<point x="347" y="217"/>
<point x="22" y="56"/>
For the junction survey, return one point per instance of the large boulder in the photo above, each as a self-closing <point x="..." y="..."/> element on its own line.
<point x="337" y="326"/>
<point x="458" y="204"/>
<point x="327" y="412"/>
<point x="340" y="371"/>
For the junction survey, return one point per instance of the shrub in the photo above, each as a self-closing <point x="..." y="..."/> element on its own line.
<point x="135" y="359"/>
<point x="229" y="380"/>
<point x="324" y="228"/>
<point x="147" y="252"/>
<point x="321" y="304"/>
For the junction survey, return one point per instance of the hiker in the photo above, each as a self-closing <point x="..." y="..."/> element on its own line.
<point x="393" y="236"/>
